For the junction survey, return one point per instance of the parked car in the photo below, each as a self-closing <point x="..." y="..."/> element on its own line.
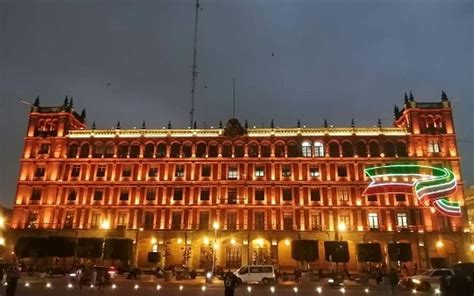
<point x="430" y="279"/>
<point x="56" y="272"/>
<point x="264" y="274"/>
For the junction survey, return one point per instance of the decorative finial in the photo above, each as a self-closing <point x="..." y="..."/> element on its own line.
<point x="272" y="125"/>
<point x="352" y="122"/>
<point x="71" y="103"/>
<point x="444" y="96"/>
<point x="220" y="123"/>
<point x="143" y="125"/>
<point x="83" y="114"/>
<point x="93" y="125"/>
<point x="298" y="124"/>
<point x="406" y="98"/>
<point x="37" y="102"/>
<point x="411" y="97"/>
<point x="195" y="125"/>
<point x="118" y="125"/>
<point x="169" y="124"/>
<point x="246" y="124"/>
<point x="325" y="122"/>
<point x="379" y="123"/>
<point x="66" y="101"/>
<point x="396" y="111"/>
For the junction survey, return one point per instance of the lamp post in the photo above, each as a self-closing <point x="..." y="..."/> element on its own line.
<point x="105" y="225"/>
<point x="439" y="245"/>
<point x="216" y="226"/>
<point x="340" y="228"/>
<point x="136" y="245"/>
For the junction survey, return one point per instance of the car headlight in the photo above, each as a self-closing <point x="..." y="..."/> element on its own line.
<point x="416" y="281"/>
<point x="330" y="281"/>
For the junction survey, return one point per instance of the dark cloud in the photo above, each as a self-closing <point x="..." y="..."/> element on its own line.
<point x="131" y="61"/>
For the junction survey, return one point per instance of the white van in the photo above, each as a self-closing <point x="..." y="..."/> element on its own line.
<point x="256" y="274"/>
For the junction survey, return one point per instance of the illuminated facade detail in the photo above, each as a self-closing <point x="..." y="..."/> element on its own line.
<point x="429" y="184"/>
<point x="165" y="188"/>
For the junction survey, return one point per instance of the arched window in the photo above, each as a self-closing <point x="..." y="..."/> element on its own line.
<point x="227" y="150"/>
<point x="334" y="149"/>
<point x="123" y="150"/>
<point x="175" y="150"/>
<point x="266" y="150"/>
<point x="306" y="149"/>
<point x="389" y="149"/>
<point x="201" y="150"/>
<point x="253" y="150"/>
<point x="98" y="150"/>
<point x="72" y="151"/>
<point x="187" y="150"/>
<point x="401" y="149"/>
<point x="213" y="150"/>
<point x="84" y="153"/>
<point x="374" y="149"/>
<point x="239" y="150"/>
<point x="161" y="150"/>
<point x="361" y="149"/>
<point x="347" y="150"/>
<point x="109" y="150"/>
<point x="149" y="150"/>
<point x="280" y="150"/>
<point x="135" y="150"/>
<point x="293" y="150"/>
<point x="318" y="149"/>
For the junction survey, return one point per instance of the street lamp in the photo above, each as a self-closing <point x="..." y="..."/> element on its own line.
<point x="105" y="225"/>
<point x="340" y="228"/>
<point x="216" y="226"/>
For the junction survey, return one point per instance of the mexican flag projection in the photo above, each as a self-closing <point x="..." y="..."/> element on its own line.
<point x="431" y="185"/>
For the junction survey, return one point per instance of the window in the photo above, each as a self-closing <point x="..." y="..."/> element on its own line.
<point x="231" y="221"/>
<point x="232" y="196"/>
<point x="179" y="171"/>
<point x="72" y="195"/>
<point x="178" y="194"/>
<point x="259" y="221"/>
<point x="39" y="172"/>
<point x="314" y="172"/>
<point x="44" y="148"/>
<point x="316" y="221"/>
<point x="76" y="171"/>
<point x="315" y="195"/>
<point x="287" y="221"/>
<point x="95" y="220"/>
<point x="318" y="149"/>
<point x="205" y="193"/>
<point x="203" y="220"/>
<point x="341" y="171"/>
<point x="232" y="173"/>
<point x="69" y="220"/>
<point x="372" y="198"/>
<point x="259" y="171"/>
<point x="176" y="220"/>
<point x="286" y="170"/>
<point x="343" y="194"/>
<point x="306" y="149"/>
<point x="124" y="195"/>
<point x="345" y="219"/>
<point x="36" y="194"/>
<point x="373" y="221"/>
<point x="153" y="172"/>
<point x="98" y="194"/>
<point x="122" y="220"/>
<point x="151" y="194"/>
<point x="32" y="219"/>
<point x="400" y="197"/>
<point x="287" y="196"/>
<point x="149" y="220"/>
<point x="100" y="171"/>
<point x="433" y="146"/>
<point x="206" y="170"/>
<point x="402" y="220"/>
<point x="259" y="194"/>
<point x="127" y="171"/>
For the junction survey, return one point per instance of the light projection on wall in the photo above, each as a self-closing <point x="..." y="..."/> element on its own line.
<point x="431" y="185"/>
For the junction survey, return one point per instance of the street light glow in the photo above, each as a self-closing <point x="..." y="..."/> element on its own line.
<point x="215" y="225"/>
<point x="439" y="244"/>
<point x="105" y="224"/>
<point x="342" y="227"/>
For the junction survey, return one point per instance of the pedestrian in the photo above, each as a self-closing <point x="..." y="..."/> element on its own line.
<point x="379" y="276"/>
<point x="13" y="274"/>
<point x="230" y="281"/>
<point x="297" y="276"/>
<point x="393" y="276"/>
<point x="458" y="284"/>
<point x="93" y="277"/>
<point x="415" y="269"/>
<point x="443" y="285"/>
<point x="79" y="278"/>
<point x="100" y="279"/>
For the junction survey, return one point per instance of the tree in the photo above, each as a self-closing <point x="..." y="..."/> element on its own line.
<point x="304" y="250"/>
<point x="118" y="249"/>
<point x="336" y="251"/>
<point x="34" y="247"/>
<point x="60" y="246"/>
<point x="89" y="247"/>
<point x="399" y="252"/>
<point x="370" y="252"/>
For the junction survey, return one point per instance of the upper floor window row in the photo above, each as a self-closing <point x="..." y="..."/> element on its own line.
<point x="346" y="148"/>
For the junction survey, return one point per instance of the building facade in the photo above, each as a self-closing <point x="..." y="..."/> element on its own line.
<point x="244" y="192"/>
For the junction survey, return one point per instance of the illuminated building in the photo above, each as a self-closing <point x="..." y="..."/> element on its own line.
<point x="164" y="188"/>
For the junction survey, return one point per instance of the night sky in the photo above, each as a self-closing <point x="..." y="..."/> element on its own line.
<point x="131" y="61"/>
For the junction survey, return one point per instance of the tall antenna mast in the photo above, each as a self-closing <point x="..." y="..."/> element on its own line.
<point x="233" y="99"/>
<point x="194" y="70"/>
